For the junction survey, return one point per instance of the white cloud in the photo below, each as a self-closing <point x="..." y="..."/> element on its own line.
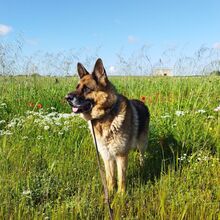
<point x="132" y="39"/>
<point x="216" y="45"/>
<point x="5" y="29"/>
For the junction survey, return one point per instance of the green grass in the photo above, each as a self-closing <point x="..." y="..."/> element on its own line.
<point x="48" y="167"/>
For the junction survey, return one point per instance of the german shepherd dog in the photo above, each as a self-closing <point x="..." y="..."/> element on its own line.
<point x="119" y="124"/>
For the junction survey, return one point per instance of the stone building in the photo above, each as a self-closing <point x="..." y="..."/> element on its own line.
<point x="162" y="72"/>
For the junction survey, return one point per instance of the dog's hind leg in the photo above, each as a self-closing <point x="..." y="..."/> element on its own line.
<point x="142" y="146"/>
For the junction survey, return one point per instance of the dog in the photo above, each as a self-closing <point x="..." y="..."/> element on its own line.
<point x="119" y="124"/>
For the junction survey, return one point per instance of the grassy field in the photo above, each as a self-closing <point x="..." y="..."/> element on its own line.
<point x="48" y="167"/>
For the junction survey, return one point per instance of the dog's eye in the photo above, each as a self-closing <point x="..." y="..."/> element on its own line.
<point x="86" y="90"/>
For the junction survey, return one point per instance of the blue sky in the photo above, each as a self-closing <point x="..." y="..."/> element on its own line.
<point x="113" y="26"/>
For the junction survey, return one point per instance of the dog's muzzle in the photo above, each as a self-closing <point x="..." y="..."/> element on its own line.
<point x="78" y="104"/>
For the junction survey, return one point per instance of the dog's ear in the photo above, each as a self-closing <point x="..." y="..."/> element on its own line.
<point x="99" y="73"/>
<point x="81" y="70"/>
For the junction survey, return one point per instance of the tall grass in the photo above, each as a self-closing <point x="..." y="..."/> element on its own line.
<point x="48" y="163"/>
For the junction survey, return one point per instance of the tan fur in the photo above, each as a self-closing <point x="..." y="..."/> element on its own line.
<point x="119" y="124"/>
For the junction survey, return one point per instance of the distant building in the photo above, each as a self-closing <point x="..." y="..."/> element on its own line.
<point x="162" y="72"/>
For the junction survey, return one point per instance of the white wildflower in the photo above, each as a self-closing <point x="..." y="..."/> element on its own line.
<point x="53" y="108"/>
<point x="46" y="127"/>
<point x="41" y="111"/>
<point x="179" y="113"/>
<point x="201" y="111"/>
<point x="35" y="113"/>
<point x="206" y="158"/>
<point x="82" y="126"/>
<point x="48" y="120"/>
<point x="217" y="109"/>
<point x="65" y="115"/>
<point x="2" y="121"/>
<point x="66" y="128"/>
<point x="52" y="114"/>
<point x="21" y="122"/>
<point x="26" y="192"/>
<point x="39" y="137"/>
<point x="37" y="121"/>
<point x="210" y="117"/>
<point x="58" y="123"/>
<point x="60" y="133"/>
<point x="183" y="157"/>
<point x="29" y="116"/>
<point x="66" y="122"/>
<point x="165" y="116"/>
<point x="11" y="124"/>
<point x="29" y="112"/>
<point x="3" y="104"/>
<point x="7" y="132"/>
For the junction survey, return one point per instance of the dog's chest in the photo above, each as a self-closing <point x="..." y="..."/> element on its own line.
<point x="109" y="148"/>
<point x="110" y="144"/>
<point x="111" y="139"/>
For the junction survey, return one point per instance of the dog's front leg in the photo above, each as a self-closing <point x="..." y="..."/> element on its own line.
<point x="122" y="162"/>
<point x="110" y="173"/>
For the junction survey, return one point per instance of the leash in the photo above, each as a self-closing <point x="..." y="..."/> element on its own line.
<point x="104" y="184"/>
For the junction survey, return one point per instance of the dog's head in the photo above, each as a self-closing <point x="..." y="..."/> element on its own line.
<point x="94" y="94"/>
